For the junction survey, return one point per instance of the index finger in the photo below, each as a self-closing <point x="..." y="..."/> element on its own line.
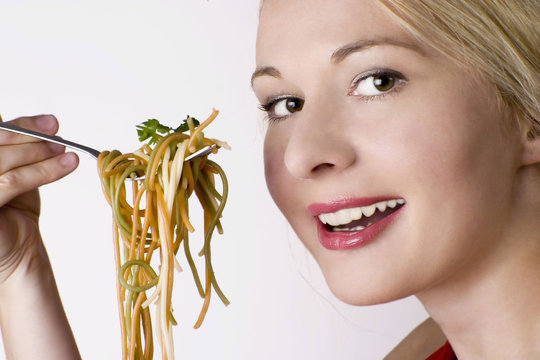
<point x="46" y="124"/>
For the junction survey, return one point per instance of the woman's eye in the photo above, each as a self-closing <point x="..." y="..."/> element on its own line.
<point x="282" y="107"/>
<point x="374" y="84"/>
<point x="287" y="106"/>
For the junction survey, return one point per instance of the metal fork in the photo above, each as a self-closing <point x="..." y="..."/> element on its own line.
<point x="93" y="152"/>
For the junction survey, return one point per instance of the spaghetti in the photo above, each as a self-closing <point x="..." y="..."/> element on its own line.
<point x="156" y="220"/>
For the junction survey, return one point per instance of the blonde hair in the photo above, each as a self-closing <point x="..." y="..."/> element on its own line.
<point x="498" y="38"/>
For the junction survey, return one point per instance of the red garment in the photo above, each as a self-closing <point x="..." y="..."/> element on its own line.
<point x="444" y="353"/>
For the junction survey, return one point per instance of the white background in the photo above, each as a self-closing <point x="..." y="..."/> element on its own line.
<point x="104" y="66"/>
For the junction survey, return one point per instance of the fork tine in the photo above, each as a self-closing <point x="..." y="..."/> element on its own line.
<point x="202" y="152"/>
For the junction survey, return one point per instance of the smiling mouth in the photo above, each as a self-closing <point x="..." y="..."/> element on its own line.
<point x="359" y="218"/>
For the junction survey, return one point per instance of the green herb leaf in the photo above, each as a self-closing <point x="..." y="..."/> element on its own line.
<point x="184" y="126"/>
<point x="152" y="128"/>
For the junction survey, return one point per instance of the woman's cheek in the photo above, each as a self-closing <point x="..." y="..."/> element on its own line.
<point x="283" y="187"/>
<point x="273" y="168"/>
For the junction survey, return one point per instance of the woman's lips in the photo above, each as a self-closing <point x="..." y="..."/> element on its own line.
<point x="332" y="219"/>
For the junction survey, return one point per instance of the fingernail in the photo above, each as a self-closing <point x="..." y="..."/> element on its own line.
<point x="45" y="123"/>
<point x="69" y="160"/>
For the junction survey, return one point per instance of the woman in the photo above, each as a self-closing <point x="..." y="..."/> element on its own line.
<point x="389" y="109"/>
<point x="402" y="147"/>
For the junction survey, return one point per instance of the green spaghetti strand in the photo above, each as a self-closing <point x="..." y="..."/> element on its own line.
<point x="124" y="224"/>
<point x="211" y="228"/>
<point x="139" y="288"/>
<point x="207" y="185"/>
<point x="106" y="161"/>
<point x="187" y="252"/>
<point x="206" y="193"/>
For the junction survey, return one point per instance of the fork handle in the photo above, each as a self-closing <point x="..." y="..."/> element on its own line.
<point x="50" y="138"/>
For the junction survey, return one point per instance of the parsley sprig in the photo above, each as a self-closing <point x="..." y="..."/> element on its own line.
<point x="152" y="129"/>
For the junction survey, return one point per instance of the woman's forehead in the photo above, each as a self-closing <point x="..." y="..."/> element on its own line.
<point x="293" y="26"/>
<point x="295" y="14"/>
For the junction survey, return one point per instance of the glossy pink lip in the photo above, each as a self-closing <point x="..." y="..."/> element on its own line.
<point x="348" y="240"/>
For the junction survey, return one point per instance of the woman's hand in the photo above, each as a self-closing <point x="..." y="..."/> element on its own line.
<point x="25" y="164"/>
<point x="32" y="319"/>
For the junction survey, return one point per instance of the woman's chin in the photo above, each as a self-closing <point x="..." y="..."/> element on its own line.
<point x="357" y="293"/>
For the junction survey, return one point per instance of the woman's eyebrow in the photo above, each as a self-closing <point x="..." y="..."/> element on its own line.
<point x="265" y="70"/>
<point x="342" y="52"/>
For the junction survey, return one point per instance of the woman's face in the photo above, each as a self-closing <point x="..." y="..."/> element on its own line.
<point x="389" y="161"/>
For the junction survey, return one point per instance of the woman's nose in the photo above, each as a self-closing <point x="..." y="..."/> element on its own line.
<point x="318" y="145"/>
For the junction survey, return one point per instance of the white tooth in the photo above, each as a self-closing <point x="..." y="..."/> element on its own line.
<point x="356" y="213"/>
<point x="359" y="227"/>
<point x="343" y="216"/>
<point x="400" y="201"/>
<point x="356" y="228"/>
<point x="368" y="210"/>
<point x="331" y="219"/>
<point x="392" y="203"/>
<point x="381" y="206"/>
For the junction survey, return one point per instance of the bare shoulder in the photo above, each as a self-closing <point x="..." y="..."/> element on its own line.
<point x="423" y="341"/>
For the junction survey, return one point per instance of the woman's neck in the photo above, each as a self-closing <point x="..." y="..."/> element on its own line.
<point x="491" y="310"/>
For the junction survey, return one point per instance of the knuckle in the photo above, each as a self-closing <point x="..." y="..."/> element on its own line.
<point x="44" y="173"/>
<point x="9" y="179"/>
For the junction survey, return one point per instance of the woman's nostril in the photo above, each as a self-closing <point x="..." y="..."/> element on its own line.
<point x="316" y="162"/>
<point x="322" y="167"/>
